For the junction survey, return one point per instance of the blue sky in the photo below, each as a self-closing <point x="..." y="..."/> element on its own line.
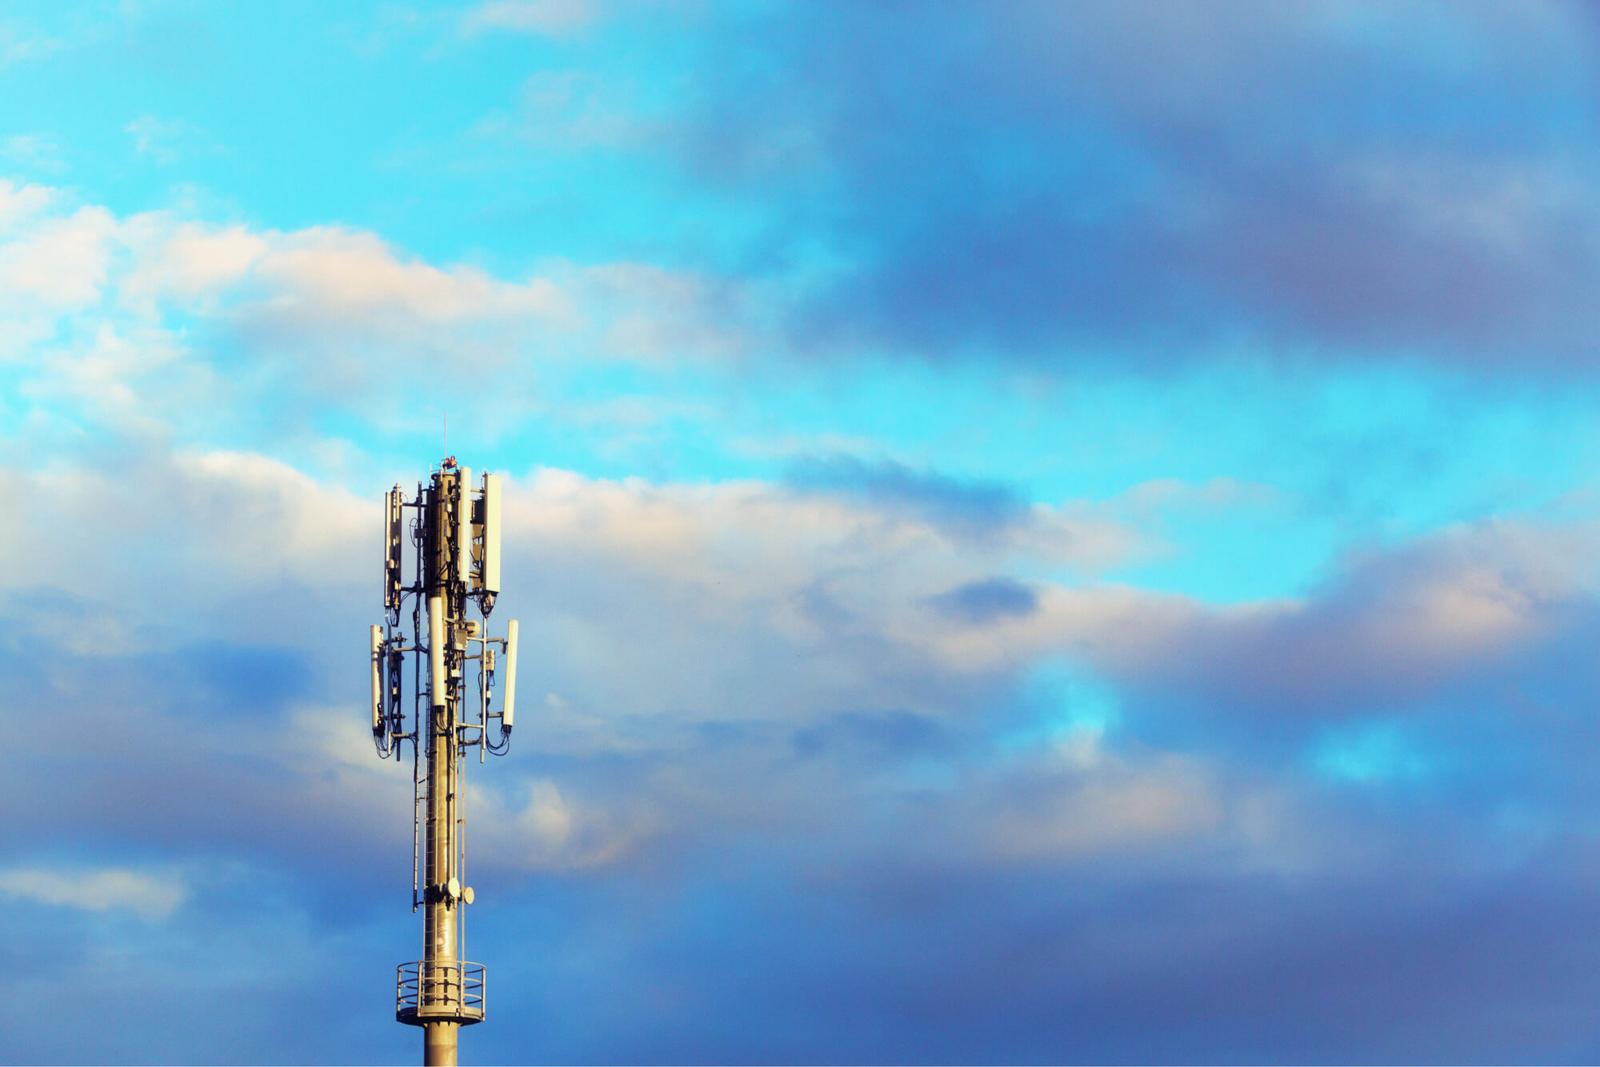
<point x="1043" y="532"/>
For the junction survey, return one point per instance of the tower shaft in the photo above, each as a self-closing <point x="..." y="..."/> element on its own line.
<point x="439" y="1044"/>
<point x="441" y="950"/>
<point x="442" y="990"/>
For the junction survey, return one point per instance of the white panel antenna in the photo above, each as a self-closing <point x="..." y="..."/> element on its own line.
<point x="438" y="682"/>
<point x="491" y="540"/>
<point x="509" y="712"/>
<point x="464" y="528"/>
<point x="377" y="679"/>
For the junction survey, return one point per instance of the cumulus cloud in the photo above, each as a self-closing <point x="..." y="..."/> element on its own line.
<point x="986" y="600"/>
<point x="548" y="830"/>
<point x="763" y="676"/>
<point x="23" y="42"/>
<point x="163" y="140"/>
<point x="234" y="520"/>
<point x="191" y="262"/>
<point x="1289" y="180"/>
<point x="1080" y="800"/>
<point x="829" y="586"/>
<point x="231" y="316"/>
<point x="657" y="315"/>
<point x="568" y="114"/>
<point x="20" y="202"/>
<point x="664" y="610"/>
<point x="547" y="17"/>
<point x="1389" y="630"/>
<point x="940" y="498"/>
<point x="839" y="600"/>
<point x="58" y="263"/>
<point x="33" y="151"/>
<point x="329" y="279"/>
<point x="1392" y="628"/>
<point x="840" y="706"/>
<point x="148" y="896"/>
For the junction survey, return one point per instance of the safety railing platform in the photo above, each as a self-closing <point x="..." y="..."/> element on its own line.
<point x="439" y="992"/>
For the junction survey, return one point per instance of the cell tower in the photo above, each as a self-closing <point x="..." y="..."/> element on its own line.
<point x="455" y="535"/>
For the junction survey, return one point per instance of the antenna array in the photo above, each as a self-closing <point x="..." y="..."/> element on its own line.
<point x="454" y="534"/>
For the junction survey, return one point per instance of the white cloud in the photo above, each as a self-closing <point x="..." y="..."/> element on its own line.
<point x="61" y="263"/>
<point x="653" y="609"/>
<point x="549" y="830"/>
<point x="553" y="18"/>
<point x="54" y="267"/>
<point x="658" y="315"/>
<point x="34" y="151"/>
<point x="210" y="529"/>
<point x="150" y="896"/>
<point x="697" y="532"/>
<point x="265" y="322"/>
<point x="1215" y="494"/>
<point x="560" y="112"/>
<point x="325" y="278"/>
<point x="745" y="600"/>
<point x="19" y="203"/>
<point x="1084" y="801"/>
<point x="1504" y="208"/>
<point x="20" y="42"/>
<point x="748" y="600"/>
<point x="189" y="262"/>
<point x="639" y="580"/>
<point x="165" y="140"/>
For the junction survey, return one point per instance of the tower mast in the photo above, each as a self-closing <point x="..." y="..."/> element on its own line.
<point x="455" y="533"/>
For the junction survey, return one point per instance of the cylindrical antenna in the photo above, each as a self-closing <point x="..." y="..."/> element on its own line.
<point x="491" y="539"/>
<point x="377" y="680"/>
<point x="509" y="715"/>
<point x="437" y="682"/>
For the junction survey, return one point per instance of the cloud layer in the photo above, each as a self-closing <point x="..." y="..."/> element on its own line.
<point x="1293" y="179"/>
<point x="1043" y="534"/>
